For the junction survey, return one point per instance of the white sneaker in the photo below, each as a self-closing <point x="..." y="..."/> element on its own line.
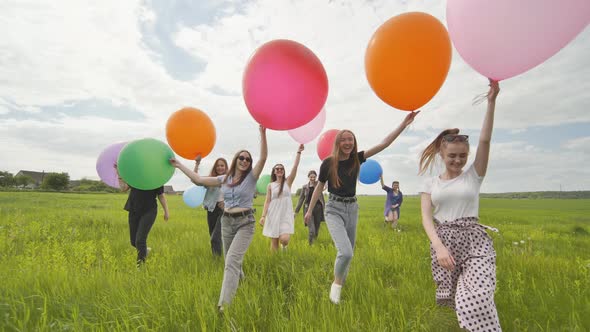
<point x="335" y="293"/>
<point x="147" y="253"/>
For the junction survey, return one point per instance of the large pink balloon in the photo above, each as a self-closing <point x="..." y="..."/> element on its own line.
<point x="326" y="143"/>
<point x="105" y="164"/>
<point x="503" y="38"/>
<point x="310" y="130"/>
<point x="284" y="85"/>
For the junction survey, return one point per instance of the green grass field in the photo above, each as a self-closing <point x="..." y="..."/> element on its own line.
<point x="66" y="264"/>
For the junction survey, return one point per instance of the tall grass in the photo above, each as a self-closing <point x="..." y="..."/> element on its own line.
<point x="66" y="264"/>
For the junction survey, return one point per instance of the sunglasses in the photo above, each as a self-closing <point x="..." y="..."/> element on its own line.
<point x="456" y="138"/>
<point x="242" y="158"/>
<point x="279" y="169"/>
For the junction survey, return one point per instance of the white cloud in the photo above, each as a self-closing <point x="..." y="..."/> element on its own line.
<point x="97" y="51"/>
<point x="579" y="145"/>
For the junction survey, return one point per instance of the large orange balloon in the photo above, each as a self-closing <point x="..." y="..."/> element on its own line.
<point x="408" y="59"/>
<point x="190" y="133"/>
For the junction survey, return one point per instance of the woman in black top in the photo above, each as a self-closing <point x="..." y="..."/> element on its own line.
<point x="341" y="171"/>
<point x="143" y="209"/>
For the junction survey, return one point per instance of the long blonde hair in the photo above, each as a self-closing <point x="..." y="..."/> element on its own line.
<point x="356" y="165"/>
<point x="429" y="154"/>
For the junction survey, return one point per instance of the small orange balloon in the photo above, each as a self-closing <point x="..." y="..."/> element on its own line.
<point x="408" y="59"/>
<point x="190" y="132"/>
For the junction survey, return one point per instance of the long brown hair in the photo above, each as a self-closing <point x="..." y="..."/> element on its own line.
<point x="356" y="165"/>
<point x="213" y="170"/>
<point x="232" y="169"/>
<point x="429" y="154"/>
<point x="273" y="177"/>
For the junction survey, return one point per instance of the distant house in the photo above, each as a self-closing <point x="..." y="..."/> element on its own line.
<point x="36" y="176"/>
<point x="169" y="190"/>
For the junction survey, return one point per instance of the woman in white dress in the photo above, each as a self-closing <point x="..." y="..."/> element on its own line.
<point x="277" y="215"/>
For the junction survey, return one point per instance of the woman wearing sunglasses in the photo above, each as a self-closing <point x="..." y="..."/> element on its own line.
<point x="463" y="256"/>
<point x="237" y="222"/>
<point x="341" y="171"/>
<point x="277" y="215"/>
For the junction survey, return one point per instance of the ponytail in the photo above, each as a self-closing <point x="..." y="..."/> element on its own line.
<point x="429" y="154"/>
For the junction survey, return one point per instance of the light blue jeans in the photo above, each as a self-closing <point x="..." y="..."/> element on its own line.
<point x="341" y="219"/>
<point x="236" y="234"/>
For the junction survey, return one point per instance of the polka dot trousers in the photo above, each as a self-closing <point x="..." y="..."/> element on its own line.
<point x="469" y="288"/>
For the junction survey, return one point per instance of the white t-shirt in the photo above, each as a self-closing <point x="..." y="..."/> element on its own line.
<point x="455" y="198"/>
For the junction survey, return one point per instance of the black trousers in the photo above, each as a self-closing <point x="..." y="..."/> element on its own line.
<point x="140" y="225"/>
<point x="214" y="222"/>
<point x="314" y="224"/>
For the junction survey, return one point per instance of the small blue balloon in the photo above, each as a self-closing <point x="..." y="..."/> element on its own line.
<point x="194" y="196"/>
<point x="370" y="172"/>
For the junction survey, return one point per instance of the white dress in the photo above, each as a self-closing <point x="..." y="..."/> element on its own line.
<point x="279" y="217"/>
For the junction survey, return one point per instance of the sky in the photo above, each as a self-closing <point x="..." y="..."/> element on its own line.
<point x="77" y="76"/>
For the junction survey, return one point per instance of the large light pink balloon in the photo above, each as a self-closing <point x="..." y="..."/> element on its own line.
<point x="284" y="85"/>
<point x="310" y="130"/>
<point x="503" y="38"/>
<point x="105" y="164"/>
<point x="326" y="143"/>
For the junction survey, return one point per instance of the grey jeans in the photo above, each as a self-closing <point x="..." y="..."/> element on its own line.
<point x="237" y="234"/>
<point x="341" y="219"/>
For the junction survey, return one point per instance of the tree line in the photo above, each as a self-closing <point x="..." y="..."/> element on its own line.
<point x="53" y="182"/>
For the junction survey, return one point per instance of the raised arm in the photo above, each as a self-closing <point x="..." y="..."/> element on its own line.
<point x="263" y="153"/>
<point x="381" y="178"/>
<point x="122" y="184"/>
<point x="442" y="254"/>
<point x="485" y="137"/>
<point x="314" y="199"/>
<point x="266" y="204"/>
<point x="208" y="181"/>
<point x="293" y="173"/>
<point x="196" y="168"/>
<point x="392" y="136"/>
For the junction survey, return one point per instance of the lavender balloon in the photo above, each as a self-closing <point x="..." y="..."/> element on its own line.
<point x="105" y="164"/>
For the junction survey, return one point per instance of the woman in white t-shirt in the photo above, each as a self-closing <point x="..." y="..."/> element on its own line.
<point x="463" y="256"/>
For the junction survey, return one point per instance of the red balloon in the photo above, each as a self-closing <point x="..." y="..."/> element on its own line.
<point x="326" y="143"/>
<point x="284" y="85"/>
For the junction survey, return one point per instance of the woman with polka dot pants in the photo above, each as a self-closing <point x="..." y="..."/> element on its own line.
<point x="463" y="256"/>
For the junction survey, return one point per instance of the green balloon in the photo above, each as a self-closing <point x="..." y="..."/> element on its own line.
<point x="144" y="164"/>
<point x="262" y="183"/>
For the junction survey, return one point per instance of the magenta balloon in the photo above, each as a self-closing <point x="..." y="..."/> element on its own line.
<point x="284" y="85"/>
<point x="105" y="164"/>
<point x="503" y="38"/>
<point x="310" y="130"/>
<point x="326" y="143"/>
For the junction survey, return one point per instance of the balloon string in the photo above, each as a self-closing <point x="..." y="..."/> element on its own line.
<point x="478" y="99"/>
